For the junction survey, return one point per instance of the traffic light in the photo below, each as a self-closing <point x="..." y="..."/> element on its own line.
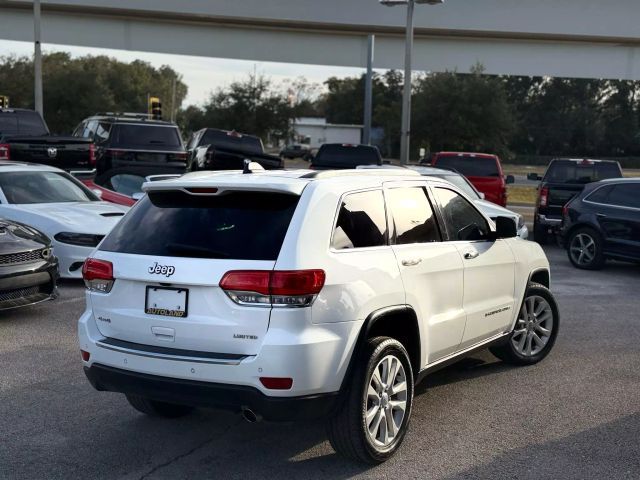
<point x="4" y="101"/>
<point x="155" y="108"/>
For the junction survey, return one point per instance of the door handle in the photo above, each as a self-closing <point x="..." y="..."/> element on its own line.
<point x="601" y="215"/>
<point x="471" y="254"/>
<point x="411" y="262"/>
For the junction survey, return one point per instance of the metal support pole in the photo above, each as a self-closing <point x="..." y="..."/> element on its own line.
<point x="368" y="92"/>
<point x="173" y="100"/>
<point x="406" y="91"/>
<point x="37" y="59"/>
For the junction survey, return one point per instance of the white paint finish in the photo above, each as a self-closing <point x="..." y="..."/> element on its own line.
<point x="547" y="24"/>
<point x="319" y="134"/>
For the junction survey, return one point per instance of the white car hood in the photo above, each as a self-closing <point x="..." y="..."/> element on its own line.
<point x="80" y="217"/>
<point x="492" y="210"/>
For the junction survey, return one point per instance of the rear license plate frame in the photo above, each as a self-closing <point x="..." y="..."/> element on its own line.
<point x="166" y="312"/>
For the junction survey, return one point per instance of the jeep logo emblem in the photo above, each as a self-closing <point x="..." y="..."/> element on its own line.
<point x="52" y="152"/>
<point x="166" y="270"/>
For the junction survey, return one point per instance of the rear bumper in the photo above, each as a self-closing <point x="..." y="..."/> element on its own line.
<point x="206" y="394"/>
<point x="548" y="221"/>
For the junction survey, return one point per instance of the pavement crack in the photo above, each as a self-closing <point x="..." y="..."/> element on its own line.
<point x="186" y="454"/>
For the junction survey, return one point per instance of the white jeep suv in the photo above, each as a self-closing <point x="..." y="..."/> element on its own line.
<point x="290" y="295"/>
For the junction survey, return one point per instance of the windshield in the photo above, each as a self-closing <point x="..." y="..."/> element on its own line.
<point x="347" y="155"/>
<point x="146" y="135"/>
<point x="42" y="187"/>
<point x="237" y="225"/>
<point x="469" y="166"/>
<point x="568" y="171"/>
<point x="232" y="141"/>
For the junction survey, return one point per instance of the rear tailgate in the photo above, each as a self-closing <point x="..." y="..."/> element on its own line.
<point x="558" y="196"/>
<point x="61" y="152"/>
<point x="169" y="255"/>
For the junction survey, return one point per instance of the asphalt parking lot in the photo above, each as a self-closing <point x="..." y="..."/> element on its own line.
<point x="574" y="416"/>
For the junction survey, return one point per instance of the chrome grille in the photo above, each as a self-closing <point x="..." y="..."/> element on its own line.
<point x="22" y="257"/>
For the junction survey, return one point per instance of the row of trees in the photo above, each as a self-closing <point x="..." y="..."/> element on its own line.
<point x="534" y="116"/>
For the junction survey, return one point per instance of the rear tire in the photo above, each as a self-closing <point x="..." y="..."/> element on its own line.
<point x="155" y="408"/>
<point x="535" y="331"/>
<point x="373" y="420"/>
<point x="584" y="249"/>
<point x="540" y="234"/>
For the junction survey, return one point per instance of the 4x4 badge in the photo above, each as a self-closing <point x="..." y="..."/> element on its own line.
<point x="166" y="270"/>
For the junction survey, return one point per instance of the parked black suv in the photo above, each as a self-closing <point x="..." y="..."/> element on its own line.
<point x="332" y="156"/>
<point x="134" y="140"/>
<point x="564" y="179"/>
<point x="603" y="222"/>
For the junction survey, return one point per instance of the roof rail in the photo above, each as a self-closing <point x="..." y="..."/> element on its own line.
<point x="148" y="116"/>
<point x="373" y="172"/>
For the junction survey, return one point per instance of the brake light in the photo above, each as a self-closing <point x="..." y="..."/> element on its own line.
<point x="544" y="196"/>
<point x="180" y="156"/>
<point x="5" y="151"/>
<point x="114" y="152"/>
<point x="85" y="355"/>
<point x="92" y="155"/>
<point x="98" y="275"/>
<point x="284" y="288"/>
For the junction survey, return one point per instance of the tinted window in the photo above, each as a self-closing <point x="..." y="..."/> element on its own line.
<point x="238" y="225"/>
<point x="413" y="216"/>
<point x="361" y="222"/>
<point x="232" y="141"/>
<point x="8" y="123"/>
<point x="469" y="166"/>
<point x="22" y="123"/>
<point x="600" y="195"/>
<point x="145" y="135"/>
<point x="625" y="195"/>
<point x="567" y="171"/>
<point x="463" y="221"/>
<point x="347" y="155"/>
<point x="90" y="129"/>
<point x="42" y="187"/>
<point x="102" y="131"/>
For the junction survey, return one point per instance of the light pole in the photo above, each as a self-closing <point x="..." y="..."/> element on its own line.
<point x="37" y="59"/>
<point x="405" y="134"/>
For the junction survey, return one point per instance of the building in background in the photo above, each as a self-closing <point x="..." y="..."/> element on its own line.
<point x="314" y="131"/>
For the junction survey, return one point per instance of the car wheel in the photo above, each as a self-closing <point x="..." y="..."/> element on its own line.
<point x="535" y="330"/>
<point x="540" y="234"/>
<point x="155" y="408"/>
<point x="373" y="421"/>
<point x="585" y="249"/>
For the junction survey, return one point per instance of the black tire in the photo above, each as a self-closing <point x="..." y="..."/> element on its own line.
<point x="155" y="408"/>
<point x="347" y="429"/>
<point x="540" y="234"/>
<point x="598" y="260"/>
<point x="508" y="353"/>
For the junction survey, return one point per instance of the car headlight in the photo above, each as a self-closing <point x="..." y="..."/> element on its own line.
<point x="520" y="222"/>
<point x="79" y="239"/>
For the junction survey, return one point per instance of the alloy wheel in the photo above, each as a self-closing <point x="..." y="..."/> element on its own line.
<point x="582" y="249"/>
<point x="533" y="327"/>
<point x="386" y="401"/>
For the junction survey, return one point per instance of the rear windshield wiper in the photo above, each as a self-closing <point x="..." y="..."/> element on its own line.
<point x="200" y="252"/>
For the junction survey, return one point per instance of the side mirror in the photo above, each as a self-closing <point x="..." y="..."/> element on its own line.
<point x="97" y="192"/>
<point x="534" y="176"/>
<point x="510" y="179"/>
<point x="505" y="228"/>
<point x="137" y="196"/>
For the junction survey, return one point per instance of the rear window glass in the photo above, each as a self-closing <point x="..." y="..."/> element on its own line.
<point x="362" y="221"/>
<point x="469" y="166"/>
<point x="566" y="171"/>
<point x="22" y="123"/>
<point x="347" y="156"/>
<point x="237" y="225"/>
<point x="145" y="135"/>
<point x="232" y="141"/>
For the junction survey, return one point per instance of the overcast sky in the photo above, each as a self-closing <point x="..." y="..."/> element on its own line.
<point x="201" y="74"/>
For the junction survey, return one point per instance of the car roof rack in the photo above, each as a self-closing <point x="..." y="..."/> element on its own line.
<point x="142" y="116"/>
<point x="368" y="172"/>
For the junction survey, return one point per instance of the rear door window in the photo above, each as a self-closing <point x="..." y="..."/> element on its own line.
<point x="235" y="225"/>
<point x="462" y="220"/>
<point x="470" y="166"/>
<point x="362" y="221"/>
<point x="413" y="217"/>
<point x="625" y="195"/>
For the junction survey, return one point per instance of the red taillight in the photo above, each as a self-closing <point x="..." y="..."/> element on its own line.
<point x="5" y="151"/>
<point x="180" y="156"/>
<point x="294" y="288"/>
<point x="85" y="355"/>
<point x="544" y="196"/>
<point x="92" y="155"/>
<point x="114" y="152"/>
<point x="98" y="275"/>
<point x="277" y="383"/>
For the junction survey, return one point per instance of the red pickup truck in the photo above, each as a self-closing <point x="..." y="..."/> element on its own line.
<point x="483" y="171"/>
